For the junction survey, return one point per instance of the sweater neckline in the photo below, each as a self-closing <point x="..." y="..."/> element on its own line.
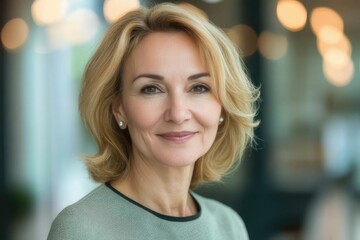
<point x="157" y="214"/>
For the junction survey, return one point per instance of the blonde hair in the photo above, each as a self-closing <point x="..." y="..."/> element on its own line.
<point x="102" y="86"/>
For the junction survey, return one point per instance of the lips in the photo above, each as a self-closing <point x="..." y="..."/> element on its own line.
<point x="178" y="137"/>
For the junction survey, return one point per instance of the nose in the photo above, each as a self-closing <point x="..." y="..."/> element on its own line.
<point x="178" y="110"/>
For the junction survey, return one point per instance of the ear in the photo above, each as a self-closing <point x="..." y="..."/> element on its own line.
<point x="118" y="110"/>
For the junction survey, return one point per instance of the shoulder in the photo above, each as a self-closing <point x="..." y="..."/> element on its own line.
<point x="73" y="222"/>
<point x="89" y="203"/>
<point x="223" y="215"/>
<point x="64" y="225"/>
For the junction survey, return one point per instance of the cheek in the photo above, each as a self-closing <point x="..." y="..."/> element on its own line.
<point x="141" y="114"/>
<point x="210" y="113"/>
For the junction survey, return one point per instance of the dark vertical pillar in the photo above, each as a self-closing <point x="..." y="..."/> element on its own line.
<point x="253" y="201"/>
<point x="3" y="203"/>
<point x="251" y="15"/>
<point x="4" y="234"/>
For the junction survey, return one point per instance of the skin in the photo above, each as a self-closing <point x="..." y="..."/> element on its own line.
<point x="172" y="116"/>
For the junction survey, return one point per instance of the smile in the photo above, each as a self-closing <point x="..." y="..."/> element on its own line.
<point x="177" y="137"/>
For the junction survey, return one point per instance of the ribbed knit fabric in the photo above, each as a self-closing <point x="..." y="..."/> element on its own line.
<point x="107" y="214"/>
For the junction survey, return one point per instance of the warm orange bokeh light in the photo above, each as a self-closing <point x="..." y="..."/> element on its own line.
<point x="338" y="75"/>
<point x="272" y="46"/>
<point x="114" y="9"/>
<point x="245" y="38"/>
<point x="343" y="45"/>
<point x="330" y="34"/>
<point x="336" y="57"/>
<point x="14" y="34"/>
<point x="291" y="14"/>
<point x="46" y="12"/>
<point x="323" y="16"/>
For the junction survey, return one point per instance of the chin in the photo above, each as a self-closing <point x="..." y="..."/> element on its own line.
<point x="178" y="161"/>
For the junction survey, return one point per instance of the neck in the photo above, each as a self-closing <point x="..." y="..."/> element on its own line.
<point x="162" y="189"/>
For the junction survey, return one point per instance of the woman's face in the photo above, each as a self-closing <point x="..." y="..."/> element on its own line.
<point x="167" y="101"/>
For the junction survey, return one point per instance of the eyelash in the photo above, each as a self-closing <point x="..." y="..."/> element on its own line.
<point x="204" y="89"/>
<point x="197" y="89"/>
<point x="149" y="90"/>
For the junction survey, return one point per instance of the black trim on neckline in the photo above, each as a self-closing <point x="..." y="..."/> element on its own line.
<point x="159" y="215"/>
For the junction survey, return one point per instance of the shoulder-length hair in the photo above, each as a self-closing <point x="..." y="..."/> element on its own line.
<point x="102" y="87"/>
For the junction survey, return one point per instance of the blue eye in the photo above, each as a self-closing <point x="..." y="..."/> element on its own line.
<point x="150" y="90"/>
<point x="200" y="89"/>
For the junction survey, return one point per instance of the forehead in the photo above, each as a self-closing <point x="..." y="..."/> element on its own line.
<point x="164" y="42"/>
<point x="162" y="50"/>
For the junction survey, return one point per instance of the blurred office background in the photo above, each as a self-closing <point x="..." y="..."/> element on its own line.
<point x="302" y="180"/>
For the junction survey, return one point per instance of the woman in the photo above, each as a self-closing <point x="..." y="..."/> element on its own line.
<point x="166" y="98"/>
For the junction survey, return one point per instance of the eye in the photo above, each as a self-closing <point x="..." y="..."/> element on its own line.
<point x="200" y="89"/>
<point x="150" y="89"/>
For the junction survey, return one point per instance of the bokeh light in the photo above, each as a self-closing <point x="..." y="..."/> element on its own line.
<point x="114" y="9"/>
<point x="323" y="16"/>
<point x="292" y="14"/>
<point x="77" y="24"/>
<point x="330" y="34"/>
<point x="272" y="46"/>
<point x="74" y="29"/>
<point x="245" y="38"/>
<point x="343" y="44"/>
<point x="333" y="45"/>
<point x="14" y="34"/>
<point x="338" y="75"/>
<point x="336" y="57"/>
<point x="46" y="12"/>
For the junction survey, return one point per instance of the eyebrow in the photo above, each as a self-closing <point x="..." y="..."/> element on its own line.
<point x="149" y="75"/>
<point x="199" y="75"/>
<point x="161" y="78"/>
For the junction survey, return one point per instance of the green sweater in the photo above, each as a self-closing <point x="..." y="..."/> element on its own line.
<point x="107" y="214"/>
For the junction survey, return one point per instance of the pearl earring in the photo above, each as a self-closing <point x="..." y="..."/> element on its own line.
<point x="221" y="120"/>
<point x="121" y="124"/>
